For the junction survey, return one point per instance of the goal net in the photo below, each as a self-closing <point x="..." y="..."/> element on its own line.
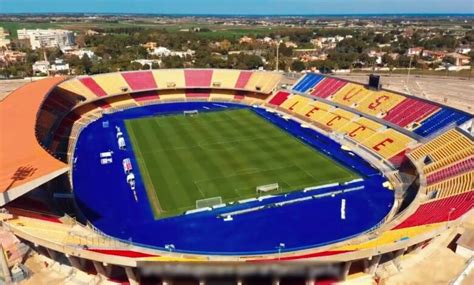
<point x="209" y="202"/>
<point x="191" y="113"/>
<point x="268" y="188"/>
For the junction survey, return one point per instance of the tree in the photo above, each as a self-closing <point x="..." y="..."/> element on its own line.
<point x="298" y="65"/>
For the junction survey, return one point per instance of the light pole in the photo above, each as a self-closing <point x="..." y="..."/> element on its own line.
<point x="280" y="247"/>
<point x="278" y="41"/>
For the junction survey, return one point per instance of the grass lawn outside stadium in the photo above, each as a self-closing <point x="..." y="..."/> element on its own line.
<point x="229" y="153"/>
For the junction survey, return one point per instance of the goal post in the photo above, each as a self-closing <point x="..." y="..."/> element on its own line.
<point x="208" y="202"/>
<point x="191" y="113"/>
<point x="267" y="188"/>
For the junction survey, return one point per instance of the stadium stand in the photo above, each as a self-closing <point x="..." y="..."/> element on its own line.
<point x="451" y="170"/>
<point x="453" y="186"/>
<point x="77" y="87"/>
<point x="307" y="82"/>
<point x="140" y="80"/>
<point x="443" y="118"/>
<point x="440" y="210"/>
<point x="169" y="79"/>
<point x="198" y="78"/>
<point x="351" y="94"/>
<point x="112" y="83"/>
<point x="327" y="87"/>
<point x="264" y="82"/>
<point x="387" y="143"/>
<point x="95" y="88"/>
<point x="243" y="79"/>
<point x="279" y="98"/>
<point x="379" y="103"/>
<point x="225" y="78"/>
<point x="409" y="111"/>
<point x="146" y="96"/>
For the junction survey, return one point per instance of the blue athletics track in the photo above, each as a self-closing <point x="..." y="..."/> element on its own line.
<point x="313" y="219"/>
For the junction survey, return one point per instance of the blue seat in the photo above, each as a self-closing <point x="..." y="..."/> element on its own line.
<point x="309" y="81"/>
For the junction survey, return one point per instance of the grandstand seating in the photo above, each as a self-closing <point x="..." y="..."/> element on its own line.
<point x="440" y="210"/>
<point x="279" y="98"/>
<point x="90" y="83"/>
<point x="338" y="118"/>
<point x="379" y="102"/>
<point x="327" y="87"/>
<point x="387" y="143"/>
<point x="307" y="82"/>
<point x="243" y="79"/>
<point x="454" y="185"/>
<point x="169" y="79"/>
<point x="410" y="110"/>
<point x="351" y="94"/>
<point x="112" y="83"/>
<point x="443" y="146"/>
<point x="198" y="93"/>
<point x="263" y="82"/>
<point x="444" y="117"/>
<point x="140" y="80"/>
<point x="77" y="87"/>
<point x="223" y="78"/>
<point x="145" y="96"/>
<point x="451" y="170"/>
<point x="452" y="158"/>
<point x="121" y="101"/>
<point x="198" y="78"/>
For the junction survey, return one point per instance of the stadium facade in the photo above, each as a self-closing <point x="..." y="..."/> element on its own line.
<point x="420" y="152"/>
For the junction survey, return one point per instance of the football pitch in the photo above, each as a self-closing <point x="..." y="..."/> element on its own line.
<point x="224" y="154"/>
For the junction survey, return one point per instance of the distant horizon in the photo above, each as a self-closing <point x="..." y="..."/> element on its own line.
<point x="240" y="8"/>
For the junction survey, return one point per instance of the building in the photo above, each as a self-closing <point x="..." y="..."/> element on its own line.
<point x="47" y="38"/>
<point x="416" y="51"/>
<point x="463" y="49"/>
<point x="460" y="59"/>
<point x="245" y="40"/>
<point x="434" y="55"/>
<point x="4" y="42"/>
<point x="162" y="51"/>
<point x="78" y="52"/>
<point x="9" y="56"/>
<point x="59" y="66"/>
<point x="150" y="45"/>
<point x="41" y="67"/>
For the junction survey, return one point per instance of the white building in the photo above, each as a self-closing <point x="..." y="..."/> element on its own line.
<point x="47" y="38"/>
<point x="463" y="49"/>
<point x="41" y="66"/>
<point x="162" y="52"/>
<point x="59" y="66"/>
<point x="4" y="42"/>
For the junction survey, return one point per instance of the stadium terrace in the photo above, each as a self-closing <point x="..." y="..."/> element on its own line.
<point x="229" y="166"/>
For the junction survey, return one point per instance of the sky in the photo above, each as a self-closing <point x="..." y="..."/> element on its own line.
<point x="240" y="7"/>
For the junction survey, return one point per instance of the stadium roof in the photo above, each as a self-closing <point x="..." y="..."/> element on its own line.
<point x="24" y="164"/>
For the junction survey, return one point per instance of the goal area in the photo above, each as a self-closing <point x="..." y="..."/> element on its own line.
<point x="208" y="202"/>
<point x="191" y="113"/>
<point x="268" y="188"/>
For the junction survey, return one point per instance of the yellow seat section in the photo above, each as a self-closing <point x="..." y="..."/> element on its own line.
<point x="169" y="78"/>
<point x="358" y="130"/>
<point x="387" y="143"/>
<point x="292" y="102"/>
<point x="222" y="78"/>
<point x="315" y="110"/>
<point x="453" y="186"/>
<point x="222" y="95"/>
<point x="121" y="101"/>
<point x="450" y="159"/>
<point x="391" y="237"/>
<point x="379" y="102"/>
<point x="112" y="83"/>
<point x="351" y="94"/>
<point x="264" y="82"/>
<point x="443" y="146"/>
<point x="338" y="118"/>
<point x="172" y="95"/>
<point x="76" y="86"/>
<point x="302" y="103"/>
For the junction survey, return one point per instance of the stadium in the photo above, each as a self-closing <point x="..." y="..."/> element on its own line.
<point x="124" y="173"/>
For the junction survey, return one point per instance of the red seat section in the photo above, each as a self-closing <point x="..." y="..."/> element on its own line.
<point x="440" y="210"/>
<point x="145" y="96"/>
<point x="279" y="98"/>
<point x="410" y="110"/>
<point x="453" y="170"/>
<point x="243" y="79"/>
<point x="93" y="86"/>
<point x="198" y="78"/>
<point x="198" y="93"/>
<point x="327" y="87"/>
<point x="141" y="80"/>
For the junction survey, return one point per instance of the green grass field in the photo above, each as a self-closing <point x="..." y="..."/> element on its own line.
<point x="225" y="153"/>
